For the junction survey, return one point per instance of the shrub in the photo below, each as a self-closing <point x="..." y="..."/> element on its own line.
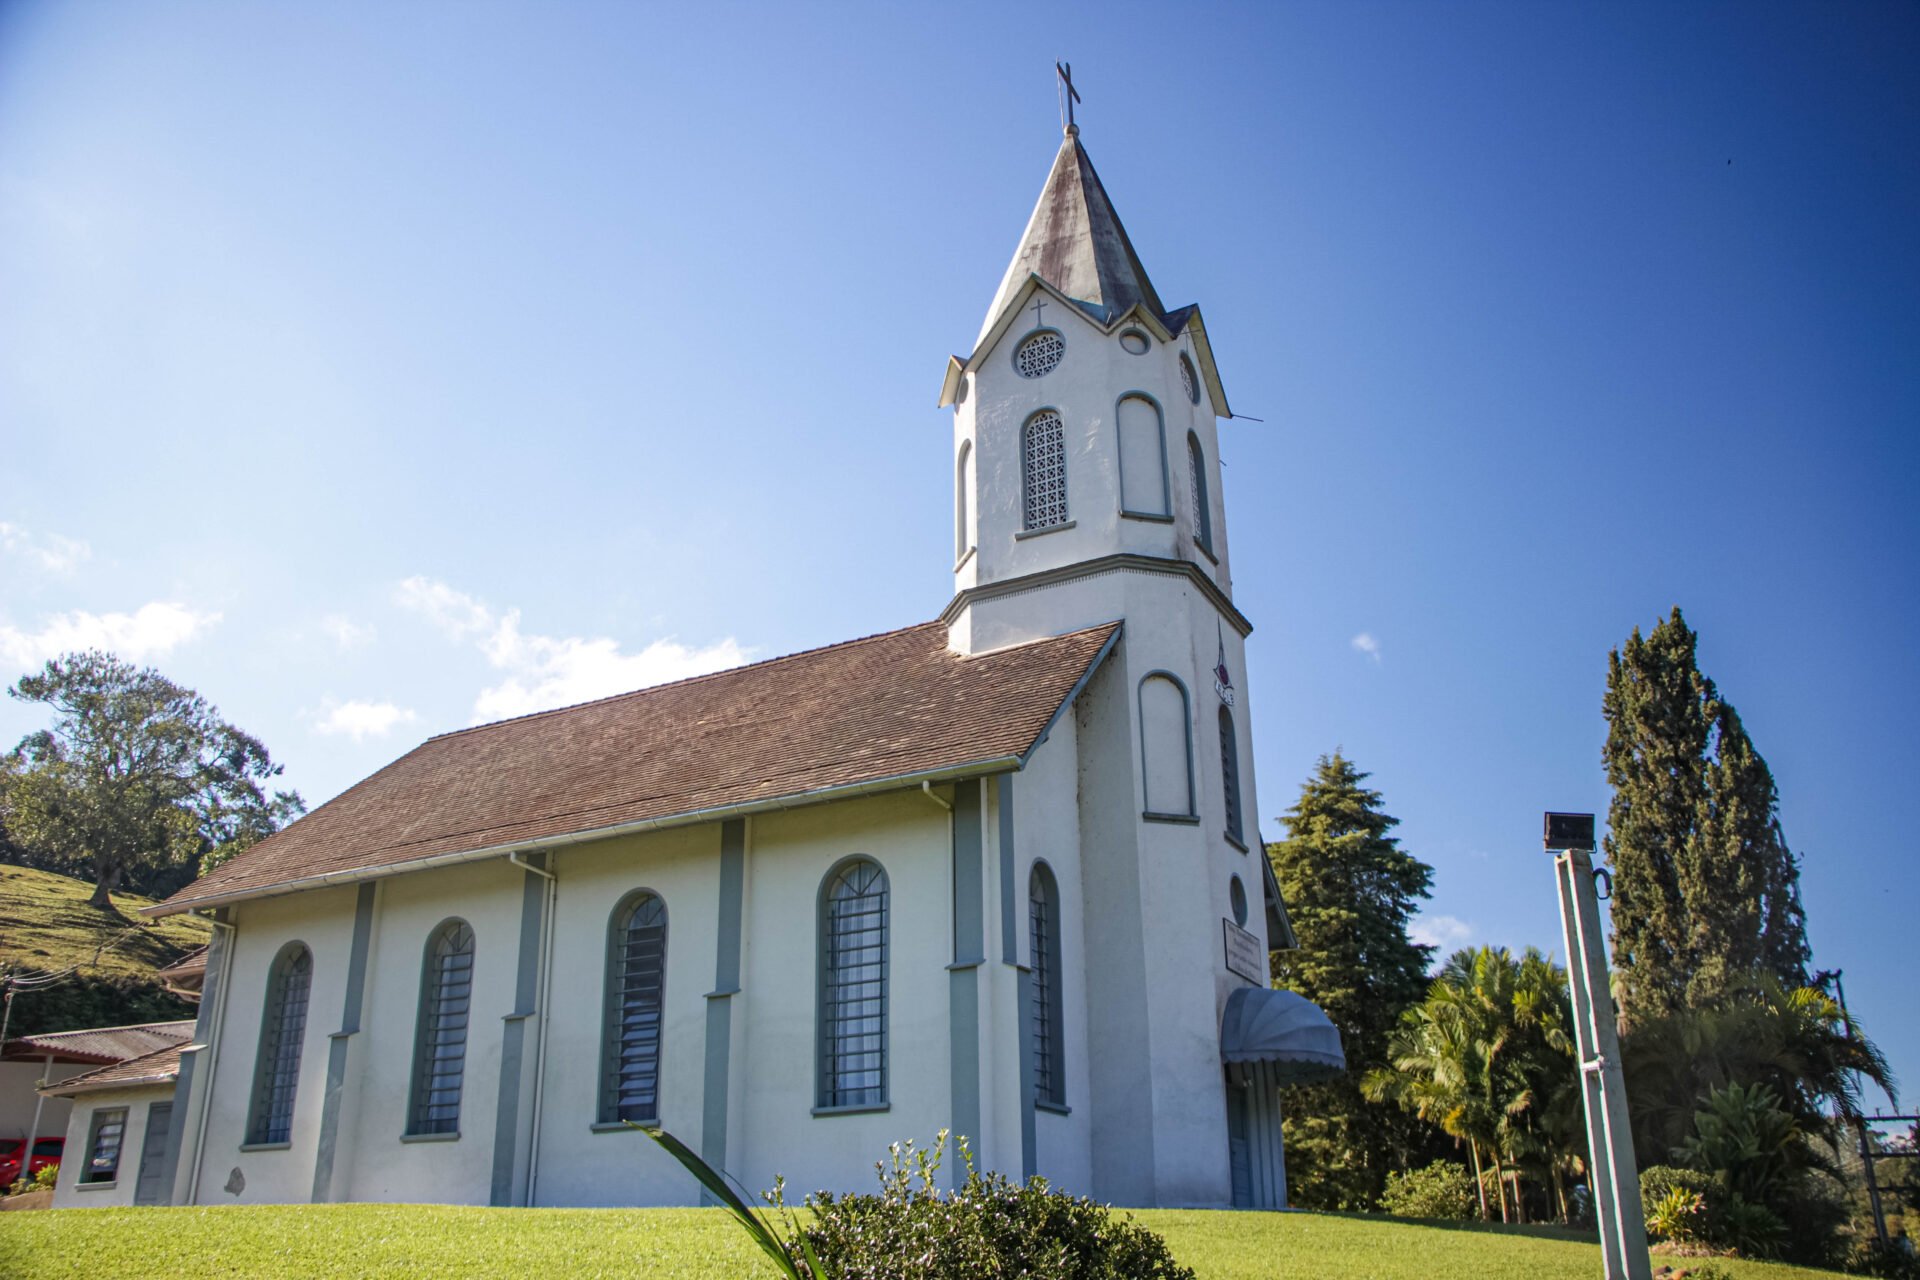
<point x="1441" y="1190"/>
<point x="988" y="1226"/>
<point x="44" y="1180"/>
<point x="1894" y="1260"/>
<point x="1679" y="1216"/>
<point x="1665" y="1187"/>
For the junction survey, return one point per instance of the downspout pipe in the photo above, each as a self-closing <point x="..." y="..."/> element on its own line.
<point x="546" y="996"/>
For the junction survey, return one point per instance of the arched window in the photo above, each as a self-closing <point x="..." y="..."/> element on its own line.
<point x="853" y="986"/>
<point x="1230" y="773"/>
<point x="440" y="1036"/>
<point x="963" y="501"/>
<point x="1043" y="915"/>
<point x="636" y="986"/>
<point x="1166" y="747"/>
<point x="1043" y="466"/>
<point x="283" y="1025"/>
<point x="1143" y="457"/>
<point x="1197" y="477"/>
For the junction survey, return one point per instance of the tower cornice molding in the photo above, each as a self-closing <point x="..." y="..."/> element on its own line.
<point x="1120" y="562"/>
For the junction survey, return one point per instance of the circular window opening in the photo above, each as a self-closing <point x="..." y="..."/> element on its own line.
<point x="960" y="396"/>
<point x="1188" y="380"/>
<point x="1237" y="894"/>
<point x="1039" y="354"/>
<point x="1134" y="342"/>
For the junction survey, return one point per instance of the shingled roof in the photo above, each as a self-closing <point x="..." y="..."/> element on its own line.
<point x="162" y="1066"/>
<point x="889" y="710"/>
<point x="99" y="1044"/>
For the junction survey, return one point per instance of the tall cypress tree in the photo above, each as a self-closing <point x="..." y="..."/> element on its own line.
<point x="1351" y="892"/>
<point x="1706" y="891"/>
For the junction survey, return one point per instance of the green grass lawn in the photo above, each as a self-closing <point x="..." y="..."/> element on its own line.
<point x="703" y="1244"/>
<point x="45" y="923"/>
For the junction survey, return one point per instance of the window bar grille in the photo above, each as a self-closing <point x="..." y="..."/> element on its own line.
<point x="1045" y="459"/>
<point x="1230" y="772"/>
<point x="280" y="1051"/>
<point x="854" y="990"/>
<point x="443" y="1047"/>
<point x="633" y="1053"/>
<point x="1047" y="1085"/>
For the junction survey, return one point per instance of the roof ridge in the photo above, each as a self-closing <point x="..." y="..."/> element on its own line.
<point x="684" y="680"/>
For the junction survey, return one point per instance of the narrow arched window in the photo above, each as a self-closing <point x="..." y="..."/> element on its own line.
<point x="963" y="502"/>
<point x="1166" y="747"/>
<point x="1043" y="461"/>
<point x="440" y="1036"/>
<point x="1043" y="918"/>
<point x="636" y="988"/>
<point x="1230" y="773"/>
<point x="1143" y="457"/>
<point x="283" y="1026"/>
<point x="853" y="986"/>
<point x="1197" y="478"/>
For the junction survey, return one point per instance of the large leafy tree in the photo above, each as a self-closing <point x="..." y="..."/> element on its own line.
<point x="1351" y="891"/>
<point x="138" y="780"/>
<point x="1706" y="891"/>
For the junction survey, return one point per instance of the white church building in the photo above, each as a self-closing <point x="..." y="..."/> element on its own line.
<point x="997" y="873"/>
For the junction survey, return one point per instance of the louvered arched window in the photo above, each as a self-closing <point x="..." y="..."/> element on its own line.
<point x="1230" y="773"/>
<point x="440" y="1038"/>
<point x="853" y="986"/>
<point x="1043" y="919"/>
<point x="1197" y="477"/>
<point x="1043" y="465"/>
<point x="283" y="1027"/>
<point x="636" y="988"/>
<point x="963" y="502"/>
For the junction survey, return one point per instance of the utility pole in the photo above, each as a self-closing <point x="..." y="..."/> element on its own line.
<point x="1610" y="1163"/>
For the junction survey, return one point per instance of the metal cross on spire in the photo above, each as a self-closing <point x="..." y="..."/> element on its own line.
<point x="1069" y="95"/>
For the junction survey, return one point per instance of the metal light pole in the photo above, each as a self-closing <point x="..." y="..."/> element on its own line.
<point x="1610" y="1163"/>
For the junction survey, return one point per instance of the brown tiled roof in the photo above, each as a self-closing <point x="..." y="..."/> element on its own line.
<point x="896" y="706"/>
<point x="100" y="1044"/>
<point x="162" y="1066"/>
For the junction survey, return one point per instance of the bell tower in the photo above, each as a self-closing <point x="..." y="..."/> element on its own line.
<point x="1086" y="471"/>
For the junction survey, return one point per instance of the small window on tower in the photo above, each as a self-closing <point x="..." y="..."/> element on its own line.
<point x="1134" y="342"/>
<point x="1188" y="381"/>
<point x="1039" y="353"/>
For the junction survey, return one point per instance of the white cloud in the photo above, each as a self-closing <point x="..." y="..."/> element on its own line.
<point x="543" y="672"/>
<point x="151" y="631"/>
<point x="1445" y="932"/>
<point x="1365" y="643"/>
<point x="361" y="720"/>
<point x="51" y="552"/>
<point x="345" y="632"/>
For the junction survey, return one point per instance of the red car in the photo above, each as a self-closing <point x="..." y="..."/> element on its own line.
<point x="46" y="1151"/>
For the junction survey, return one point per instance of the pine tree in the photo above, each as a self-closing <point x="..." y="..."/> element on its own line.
<point x="1706" y="892"/>
<point x="1351" y="892"/>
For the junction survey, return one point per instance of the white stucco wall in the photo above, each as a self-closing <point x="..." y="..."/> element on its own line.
<point x="18" y="1096"/>
<point x="71" y="1193"/>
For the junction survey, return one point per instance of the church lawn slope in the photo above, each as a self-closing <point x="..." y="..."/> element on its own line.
<point x="704" y="1244"/>
<point x="46" y="924"/>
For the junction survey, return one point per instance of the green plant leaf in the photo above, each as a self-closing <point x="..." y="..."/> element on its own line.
<point x="716" y="1185"/>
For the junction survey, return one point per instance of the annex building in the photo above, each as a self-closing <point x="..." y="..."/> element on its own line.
<point x="996" y="873"/>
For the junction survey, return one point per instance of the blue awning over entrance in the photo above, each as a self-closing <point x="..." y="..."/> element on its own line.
<point x="1285" y="1029"/>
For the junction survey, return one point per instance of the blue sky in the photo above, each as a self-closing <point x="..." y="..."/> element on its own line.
<point x="378" y="368"/>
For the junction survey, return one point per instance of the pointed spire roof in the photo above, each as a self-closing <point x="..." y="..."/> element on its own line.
<point x="1075" y="242"/>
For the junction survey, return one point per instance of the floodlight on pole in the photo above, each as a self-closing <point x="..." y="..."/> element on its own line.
<point x="1610" y="1163"/>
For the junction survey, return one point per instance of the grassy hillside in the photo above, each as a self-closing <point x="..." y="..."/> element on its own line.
<point x="703" y="1244"/>
<point x="46" y="925"/>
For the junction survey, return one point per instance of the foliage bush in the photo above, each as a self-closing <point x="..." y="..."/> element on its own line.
<point x="1894" y="1260"/>
<point x="987" y="1227"/>
<point x="1441" y="1190"/>
<point x="41" y="1181"/>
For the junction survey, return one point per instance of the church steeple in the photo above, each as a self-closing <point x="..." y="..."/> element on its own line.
<point x="1075" y="242"/>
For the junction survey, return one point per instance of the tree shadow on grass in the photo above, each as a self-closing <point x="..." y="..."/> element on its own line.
<point x="1529" y="1230"/>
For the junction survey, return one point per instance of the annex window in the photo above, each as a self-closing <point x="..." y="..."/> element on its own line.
<point x="853" y="986"/>
<point x="636" y="990"/>
<point x="1043" y="463"/>
<point x="1166" y="747"/>
<point x="1230" y="774"/>
<point x="1043" y="916"/>
<point x="1143" y="457"/>
<point x="963" y="502"/>
<point x="283" y="1026"/>
<point x="1197" y="480"/>
<point x="103" y="1145"/>
<point x="440" y="1037"/>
